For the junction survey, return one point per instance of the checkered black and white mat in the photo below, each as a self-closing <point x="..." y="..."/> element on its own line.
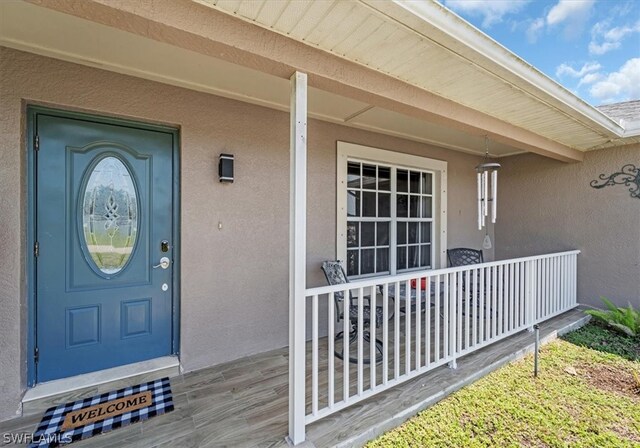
<point x="50" y="433"/>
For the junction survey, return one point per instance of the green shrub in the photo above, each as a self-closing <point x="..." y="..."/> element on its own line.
<point x="600" y="336"/>
<point x="624" y="320"/>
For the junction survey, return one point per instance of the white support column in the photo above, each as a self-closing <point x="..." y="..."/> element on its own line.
<point x="297" y="257"/>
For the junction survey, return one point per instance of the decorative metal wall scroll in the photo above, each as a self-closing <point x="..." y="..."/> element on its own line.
<point x="628" y="176"/>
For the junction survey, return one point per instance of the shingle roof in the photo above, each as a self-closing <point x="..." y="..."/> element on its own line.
<point x="627" y="111"/>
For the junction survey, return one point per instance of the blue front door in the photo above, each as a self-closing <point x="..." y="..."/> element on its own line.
<point x="104" y="221"/>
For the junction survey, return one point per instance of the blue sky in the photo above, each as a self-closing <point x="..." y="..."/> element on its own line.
<point x="592" y="47"/>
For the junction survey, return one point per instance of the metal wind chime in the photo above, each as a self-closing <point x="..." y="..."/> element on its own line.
<point x="483" y="170"/>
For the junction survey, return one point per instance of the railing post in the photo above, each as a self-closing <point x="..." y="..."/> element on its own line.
<point x="530" y="293"/>
<point x="297" y="257"/>
<point x="574" y="279"/>
<point x="453" y="320"/>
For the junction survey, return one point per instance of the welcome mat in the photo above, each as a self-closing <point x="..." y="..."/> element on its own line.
<point x="82" y="419"/>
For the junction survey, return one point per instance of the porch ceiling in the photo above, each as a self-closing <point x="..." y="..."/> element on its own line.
<point x="28" y="27"/>
<point x="372" y="77"/>
<point x="400" y="38"/>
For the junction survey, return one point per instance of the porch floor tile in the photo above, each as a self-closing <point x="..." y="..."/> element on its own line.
<point x="244" y="403"/>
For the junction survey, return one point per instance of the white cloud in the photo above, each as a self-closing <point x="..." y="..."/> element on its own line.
<point x="590" y="78"/>
<point x="604" y="38"/>
<point x="571" y="14"/>
<point x="567" y="10"/>
<point x="622" y="85"/>
<point x="566" y="69"/>
<point x="602" y="48"/>
<point x="534" y="29"/>
<point x="618" y="33"/>
<point x="491" y="11"/>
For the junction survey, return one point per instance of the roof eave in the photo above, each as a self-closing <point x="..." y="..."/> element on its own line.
<point x="457" y="28"/>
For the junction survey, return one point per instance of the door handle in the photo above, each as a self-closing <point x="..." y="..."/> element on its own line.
<point x="164" y="263"/>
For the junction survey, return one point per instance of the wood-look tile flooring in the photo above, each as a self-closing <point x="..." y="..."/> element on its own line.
<point x="244" y="403"/>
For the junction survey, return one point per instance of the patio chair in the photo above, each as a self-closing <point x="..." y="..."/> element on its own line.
<point x="462" y="256"/>
<point x="335" y="274"/>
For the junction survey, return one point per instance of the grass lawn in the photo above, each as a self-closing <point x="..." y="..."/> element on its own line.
<point x="582" y="398"/>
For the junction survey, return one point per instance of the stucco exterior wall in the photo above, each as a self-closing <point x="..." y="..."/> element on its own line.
<point x="234" y="283"/>
<point x="548" y="206"/>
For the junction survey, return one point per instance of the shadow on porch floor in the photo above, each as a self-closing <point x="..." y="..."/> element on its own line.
<point x="244" y="403"/>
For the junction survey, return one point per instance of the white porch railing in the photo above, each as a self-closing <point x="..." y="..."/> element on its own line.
<point x="461" y="310"/>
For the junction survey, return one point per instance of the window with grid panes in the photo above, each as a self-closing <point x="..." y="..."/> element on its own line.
<point x="381" y="197"/>
<point x="368" y="218"/>
<point x="414" y="219"/>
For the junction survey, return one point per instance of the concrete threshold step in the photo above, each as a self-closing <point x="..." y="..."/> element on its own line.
<point x="52" y="393"/>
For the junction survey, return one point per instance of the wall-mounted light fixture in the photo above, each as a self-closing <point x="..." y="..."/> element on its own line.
<point x="225" y="168"/>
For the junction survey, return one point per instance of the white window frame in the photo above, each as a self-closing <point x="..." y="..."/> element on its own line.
<point x="348" y="151"/>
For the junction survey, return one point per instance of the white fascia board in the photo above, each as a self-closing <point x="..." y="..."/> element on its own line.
<point x="457" y="28"/>
<point x="631" y="128"/>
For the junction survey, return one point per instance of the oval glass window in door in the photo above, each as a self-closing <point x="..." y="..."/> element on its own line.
<point x="110" y="215"/>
